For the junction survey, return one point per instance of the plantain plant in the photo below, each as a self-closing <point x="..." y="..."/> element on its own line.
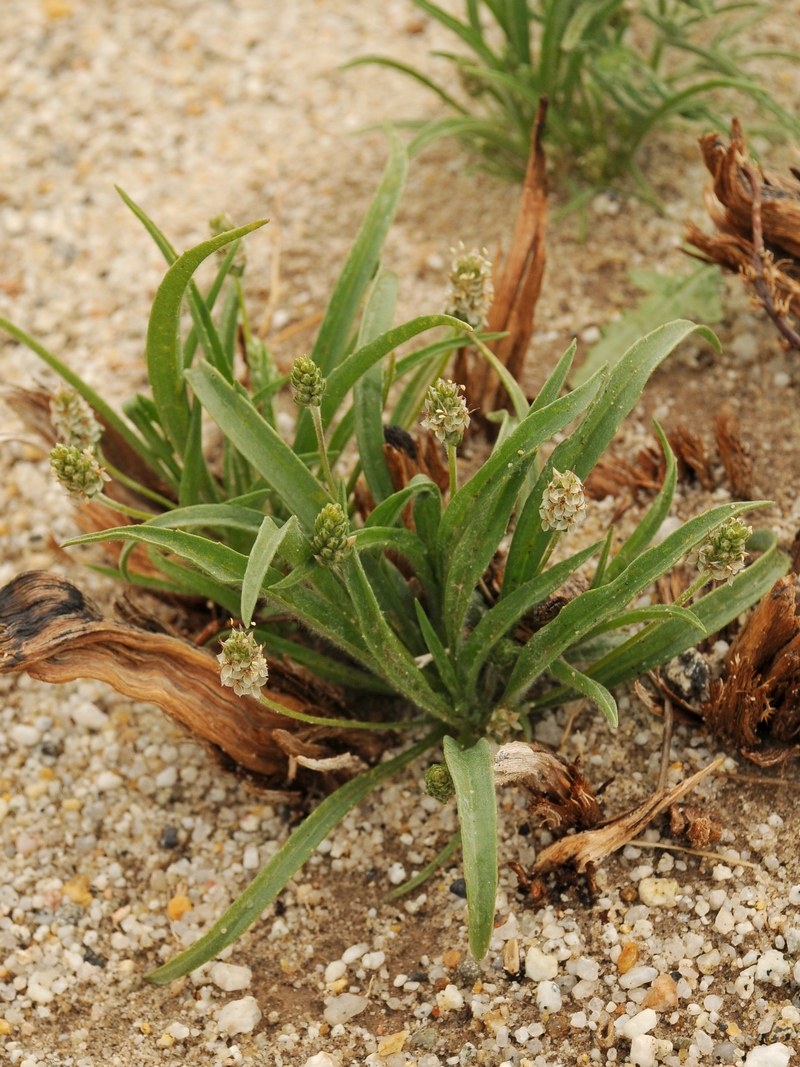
<point x="613" y="72"/>
<point x="401" y="602"/>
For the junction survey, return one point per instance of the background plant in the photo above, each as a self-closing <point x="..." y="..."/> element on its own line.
<point x="613" y="71"/>
<point x="401" y="606"/>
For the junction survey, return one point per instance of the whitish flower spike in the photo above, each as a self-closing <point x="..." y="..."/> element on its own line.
<point x="73" y="420"/>
<point x="332" y="542"/>
<point x="308" y="385"/>
<point x="242" y="665"/>
<point x="78" y="471"/>
<point x="563" y="505"/>
<point x="446" y="413"/>
<point x="472" y="289"/>
<point x="722" y="555"/>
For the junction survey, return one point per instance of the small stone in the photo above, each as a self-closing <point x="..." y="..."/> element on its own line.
<point x="511" y="956"/>
<point x="90" y="716"/>
<point x="470" y="971"/>
<point x="335" y="970"/>
<point x="659" y="892"/>
<point x="251" y="861"/>
<point x="39" y="986"/>
<point x="721" y="873"/>
<point x="772" y="967"/>
<point x="781" y="379"/>
<point x="725" y="1052"/>
<point x="5" y="1027"/>
<point x="459" y="888"/>
<point x="643" y="1050"/>
<point x="638" y="976"/>
<point x="167" y="778"/>
<point x="451" y="958"/>
<point x="322" y="1059"/>
<point x="178" y="906"/>
<point x="355" y="952"/>
<point x="239" y="1017"/>
<point x="769" y="1056"/>
<point x="392" y="1043"/>
<point x="662" y="994"/>
<point x="372" y="961"/>
<point x="708" y="962"/>
<point x="230" y="978"/>
<point x="724" y="922"/>
<point x="539" y="966"/>
<point x="638" y="1024"/>
<point x="169" y="837"/>
<point x="77" y="890"/>
<point x="107" y="780"/>
<point x="450" y="999"/>
<point x="548" y="997"/>
<point x="24" y="735"/>
<point x="627" y="957"/>
<point x="180" y="1031"/>
<point x="343" y="1008"/>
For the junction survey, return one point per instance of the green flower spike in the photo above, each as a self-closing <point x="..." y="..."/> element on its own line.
<point x="242" y="665"/>
<point x="73" y="420"/>
<point x="722" y="555"/>
<point x="78" y="471"/>
<point x="332" y="542"/>
<point x="308" y="385"/>
<point x="438" y="783"/>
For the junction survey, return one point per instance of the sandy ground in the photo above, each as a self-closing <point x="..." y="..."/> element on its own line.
<point x="109" y="812"/>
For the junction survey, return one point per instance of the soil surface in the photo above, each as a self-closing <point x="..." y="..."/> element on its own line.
<point x="119" y="841"/>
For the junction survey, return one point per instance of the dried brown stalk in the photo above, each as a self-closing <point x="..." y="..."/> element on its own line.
<point x="691" y="455"/>
<point x="519" y="285"/>
<point x="51" y="630"/>
<point x="735" y="460"/>
<point x="758" y="217"/>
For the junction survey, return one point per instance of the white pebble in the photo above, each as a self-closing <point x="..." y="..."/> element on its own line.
<point x="724" y="922"/>
<point x="777" y="1055"/>
<point x="239" y="1017"/>
<point x="449" y="999"/>
<point x="343" y="1008"/>
<point x="396" y="873"/>
<point x="794" y="895"/>
<point x="23" y="735"/>
<point x="322" y="1059"/>
<point x="39" y="986"/>
<point x="781" y="379"/>
<point x="180" y="1031"/>
<point x="641" y="1023"/>
<point x="643" y="1050"/>
<point x="578" y="1020"/>
<point x="772" y="967"/>
<point x="659" y="892"/>
<point x="721" y="873"/>
<point x="373" y="960"/>
<point x="336" y="970"/>
<point x="230" y="978"/>
<point x="638" y="976"/>
<point x="355" y="952"/>
<point x="167" y="778"/>
<point x="708" y="962"/>
<point x="106" y="781"/>
<point x="548" y="997"/>
<point x="539" y="966"/>
<point x="90" y="716"/>
<point x="250" y="860"/>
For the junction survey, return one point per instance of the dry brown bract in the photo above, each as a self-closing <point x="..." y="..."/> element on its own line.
<point x="756" y="703"/>
<point x="757" y="215"/>
<point x="51" y="630"/>
<point x="562" y="798"/>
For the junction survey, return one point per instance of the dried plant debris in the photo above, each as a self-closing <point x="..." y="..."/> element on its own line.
<point x="695" y="823"/>
<point x="757" y="215"/>
<point x="756" y="702"/>
<point x="614" y="475"/>
<point x="518" y="287"/>
<point x="51" y="630"/>
<point x="405" y="457"/>
<point x="734" y="455"/>
<point x="562" y="798"/>
<point x="691" y="456"/>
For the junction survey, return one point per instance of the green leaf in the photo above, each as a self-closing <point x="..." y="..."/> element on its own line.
<point x="656" y="513"/>
<point x="583" y="613"/>
<point x="319" y="664"/>
<point x="551" y="390"/>
<point x="650" y="613"/>
<point x="163" y="352"/>
<point x="388" y="512"/>
<point x="584" y="447"/>
<point x="259" y="443"/>
<point x="597" y="693"/>
<point x="211" y="516"/>
<point x="267" y="544"/>
<point x="473" y="777"/>
<point x="368" y="389"/>
<point x="441" y="659"/>
<point x="669" y="296"/>
<point x="289" y="859"/>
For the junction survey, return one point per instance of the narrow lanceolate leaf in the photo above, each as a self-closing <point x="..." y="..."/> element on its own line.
<point x="596" y="605"/>
<point x="388" y="512"/>
<point x="289" y="859"/>
<point x="392" y="659"/>
<point x="441" y="659"/>
<point x="267" y="544"/>
<point x="473" y="777"/>
<point x="584" y="447"/>
<point x="164" y="354"/>
<point x="596" y="692"/>
<point x="210" y="516"/>
<point x="368" y="390"/>
<point x="551" y="389"/>
<point x="258" y="442"/>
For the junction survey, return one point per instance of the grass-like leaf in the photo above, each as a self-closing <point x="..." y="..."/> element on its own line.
<point x="263" y="552"/>
<point x="588" y="687"/>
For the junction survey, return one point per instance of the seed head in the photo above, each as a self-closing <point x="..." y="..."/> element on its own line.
<point x="221" y="224"/>
<point x="502" y="725"/>
<point x="563" y="505"/>
<point x="242" y="665"/>
<point x="438" y="783"/>
<point x="332" y="542"/>
<point x="722" y="555"/>
<point x="78" y="471"/>
<point x="73" y="420"/>
<point x="446" y="414"/>
<point x="472" y="289"/>
<point x="308" y="385"/>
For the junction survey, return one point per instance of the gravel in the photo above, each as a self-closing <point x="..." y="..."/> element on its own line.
<point x="120" y="843"/>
